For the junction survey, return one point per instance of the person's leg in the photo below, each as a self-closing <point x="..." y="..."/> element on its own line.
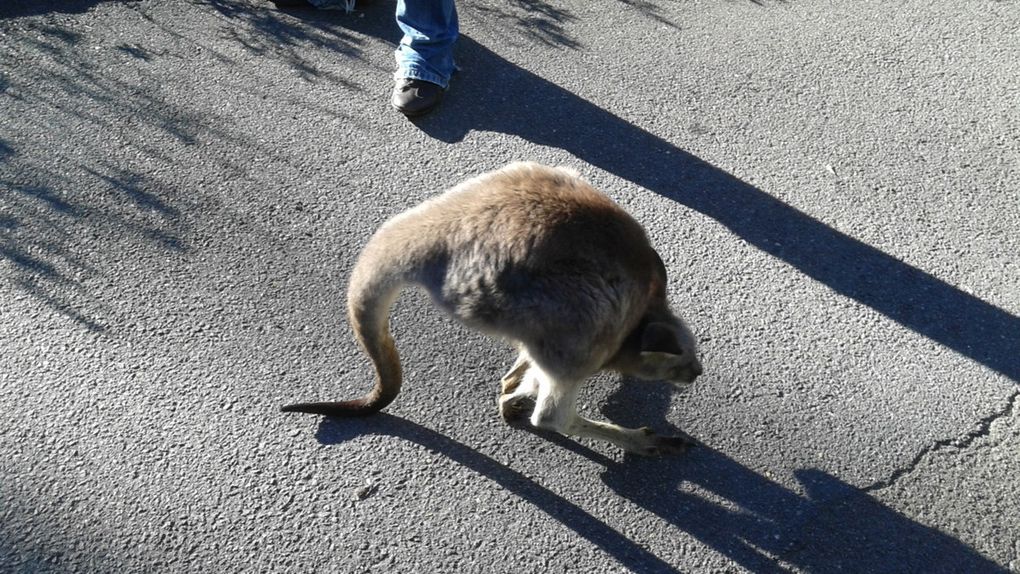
<point x="425" y="54"/>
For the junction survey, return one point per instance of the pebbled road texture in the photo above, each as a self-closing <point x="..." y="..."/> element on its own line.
<point x="833" y="186"/>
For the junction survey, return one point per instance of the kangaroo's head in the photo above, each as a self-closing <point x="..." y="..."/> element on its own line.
<point x="660" y="348"/>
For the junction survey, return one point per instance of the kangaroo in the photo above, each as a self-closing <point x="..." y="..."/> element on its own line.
<point x="535" y="256"/>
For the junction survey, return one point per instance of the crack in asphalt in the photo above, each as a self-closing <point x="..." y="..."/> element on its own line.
<point x="983" y="429"/>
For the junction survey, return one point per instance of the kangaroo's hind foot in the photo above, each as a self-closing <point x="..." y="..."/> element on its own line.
<point x="517" y="396"/>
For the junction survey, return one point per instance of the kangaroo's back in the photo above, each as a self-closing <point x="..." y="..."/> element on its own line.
<point x="530" y="250"/>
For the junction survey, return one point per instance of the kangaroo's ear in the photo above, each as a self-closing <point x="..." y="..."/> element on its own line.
<point x="659" y="338"/>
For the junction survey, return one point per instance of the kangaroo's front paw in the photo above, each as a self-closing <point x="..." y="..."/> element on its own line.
<point x="652" y="444"/>
<point x="516" y="409"/>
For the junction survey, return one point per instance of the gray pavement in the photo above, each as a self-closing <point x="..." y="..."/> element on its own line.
<point x="833" y="185"/>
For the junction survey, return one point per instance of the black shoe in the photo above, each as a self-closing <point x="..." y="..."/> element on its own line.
<point x="414" y="97"/>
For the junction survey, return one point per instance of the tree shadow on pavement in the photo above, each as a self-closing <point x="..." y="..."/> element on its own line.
<point x="492" y="94"/>
<point x="755" y="522"/>
<point x="94" y="151"/>
<point x="532" y="21"/>
<point x="268" y="32"/>
<point x="18" y="8"/>
<point x="51" y="219"/>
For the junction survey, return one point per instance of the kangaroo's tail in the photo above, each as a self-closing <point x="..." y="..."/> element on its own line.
<point x="379" y="275"/>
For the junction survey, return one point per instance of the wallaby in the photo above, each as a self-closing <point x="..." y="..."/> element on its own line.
<point x="537" y="257"/>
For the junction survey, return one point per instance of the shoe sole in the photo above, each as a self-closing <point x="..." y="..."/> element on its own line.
<point x="416" y="114"/>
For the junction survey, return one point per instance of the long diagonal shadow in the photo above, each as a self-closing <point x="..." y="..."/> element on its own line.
<point x="758" y="523"/>
<point x="493" y="94"/>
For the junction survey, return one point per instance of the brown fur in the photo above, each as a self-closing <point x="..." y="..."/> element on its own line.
<point x="535" y="256"/>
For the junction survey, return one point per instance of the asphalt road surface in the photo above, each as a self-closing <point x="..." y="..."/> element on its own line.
<point x="833" y="185"/>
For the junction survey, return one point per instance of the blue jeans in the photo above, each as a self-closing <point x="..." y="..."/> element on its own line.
<point x="426" y="50"/>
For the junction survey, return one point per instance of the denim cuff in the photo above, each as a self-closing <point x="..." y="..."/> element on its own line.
<point x="416" y="73"/>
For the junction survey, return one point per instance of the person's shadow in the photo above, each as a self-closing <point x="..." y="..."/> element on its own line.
<point x="492" y="94"/>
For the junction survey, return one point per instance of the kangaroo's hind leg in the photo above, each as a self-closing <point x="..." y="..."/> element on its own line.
<point x="556" y="409"/>
<point x="518" y="390"/>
